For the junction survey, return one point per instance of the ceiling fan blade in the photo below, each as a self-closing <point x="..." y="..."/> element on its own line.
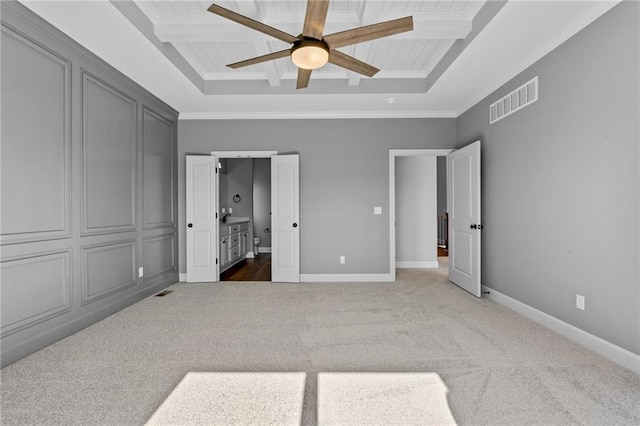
<point x="251" y="23"/>
<point x="260" y="59"/>
<point x="369" y="32"/>
<point x="303" y="78"/>
<point x="351" y="63"/>
<point x="315" y="18"/>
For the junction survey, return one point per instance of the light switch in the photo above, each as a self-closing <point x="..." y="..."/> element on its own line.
<point x="377" y="210"/>
<point x="230" y="209"/>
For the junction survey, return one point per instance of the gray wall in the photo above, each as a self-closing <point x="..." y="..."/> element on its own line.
<point x="560" y="182"/>
<point x="240" y="182"/>
<point x="262" y="201"/>
<point x="344" y="173"/>
<point x="88" y="187"/>
<point x="416" y="218"/>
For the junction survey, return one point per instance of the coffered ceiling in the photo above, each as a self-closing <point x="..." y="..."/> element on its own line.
<point x="458" y="52"/>
<point x="208" y="42"/>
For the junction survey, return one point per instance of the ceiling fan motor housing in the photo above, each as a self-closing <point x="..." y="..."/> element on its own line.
<point x="309" y="53"/>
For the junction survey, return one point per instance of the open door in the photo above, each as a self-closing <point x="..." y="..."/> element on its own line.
<point x="202" y="218"/>
<point x="285" y="232"/>
<point x="463" y="205"/>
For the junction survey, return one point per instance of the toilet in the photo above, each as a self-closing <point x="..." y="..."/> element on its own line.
<point x="256" y="243"/>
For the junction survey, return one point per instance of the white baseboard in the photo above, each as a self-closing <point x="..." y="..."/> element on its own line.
<point x="182" y="278"/>
<point x="598" y="345"/>
<point x="335" y="278"/>
<point x="264" y="249"/>
<point x="422" y="265"/>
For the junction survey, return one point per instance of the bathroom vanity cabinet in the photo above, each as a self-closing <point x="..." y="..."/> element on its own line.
<point x="234" y="243"/>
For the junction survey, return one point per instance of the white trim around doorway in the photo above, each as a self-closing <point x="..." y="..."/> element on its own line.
<point x="244" y="154"/>
<point x="393" y="153"/>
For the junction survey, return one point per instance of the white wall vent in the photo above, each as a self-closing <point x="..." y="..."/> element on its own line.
<point x="518" y="99"/>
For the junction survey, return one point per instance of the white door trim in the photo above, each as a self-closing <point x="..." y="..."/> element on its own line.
<point x="244" y="154"/>
<point x="393" y="153"/>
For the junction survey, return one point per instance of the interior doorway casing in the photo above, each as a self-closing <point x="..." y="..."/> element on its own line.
<point x="237" y="155"/>
<point x="393" y="154"/>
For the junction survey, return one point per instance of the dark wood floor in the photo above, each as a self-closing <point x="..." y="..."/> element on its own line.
<point x="256" y="269"/>
<point x="442" y="252"/>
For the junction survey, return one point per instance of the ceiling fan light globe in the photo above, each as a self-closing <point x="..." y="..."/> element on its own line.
<point x="310" y="56"/>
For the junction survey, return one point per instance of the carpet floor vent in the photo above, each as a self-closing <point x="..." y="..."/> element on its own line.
<point x="523" y="96"/>
<point x="163" y="293"/>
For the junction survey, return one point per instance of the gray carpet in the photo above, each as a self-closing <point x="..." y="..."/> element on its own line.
<point x="500" y="368"/>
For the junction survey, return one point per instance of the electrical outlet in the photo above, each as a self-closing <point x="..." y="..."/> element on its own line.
<point x="140" y="271"/>
<point x="342" y="260"/>
<point x="377" y="210"/>
<point x="230" y="209"/>
<point x="223" y="210"/>
<point x="580" y="302"/>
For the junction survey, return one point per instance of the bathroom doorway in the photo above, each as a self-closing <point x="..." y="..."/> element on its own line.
<point x="244" y="191"/>
<point x="210" y="248"/>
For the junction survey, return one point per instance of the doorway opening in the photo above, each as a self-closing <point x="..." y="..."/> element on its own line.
<point x="415" y="202"/>
<point x="244" y="200"/>
<point x="216" y="240"/>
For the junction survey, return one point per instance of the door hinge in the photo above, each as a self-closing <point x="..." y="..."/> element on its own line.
<point x="216" y="260"/>
<point x="216" y="215"/>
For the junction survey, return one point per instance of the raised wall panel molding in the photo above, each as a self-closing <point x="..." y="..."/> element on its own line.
<point x="108" y="269"/>
<point x="158" y="171"/>
<point x="44" y="295"/>
<point x="159" y="255"/>
<point x="109" y="182"/>
<point x="36" y="182"/>
<point x="73" y="269"/>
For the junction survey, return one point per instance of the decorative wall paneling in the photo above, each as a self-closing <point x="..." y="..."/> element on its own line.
<point x="107" y="269"/>
<point x="40" y="205"/>
<point x="158" y="170"/>
<point x="89" y="187"/>
<point x="159" y="255"/>
<point x="108" y="158"/>
<point x="47" y="292"/>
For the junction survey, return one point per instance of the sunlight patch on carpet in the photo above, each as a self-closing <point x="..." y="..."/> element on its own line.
<point x="234" y="399"/>
<point x="383" y="399"/>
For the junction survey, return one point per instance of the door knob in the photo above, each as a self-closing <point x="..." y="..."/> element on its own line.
<point x="295" y="225"/>
<point x="190" y="225"/>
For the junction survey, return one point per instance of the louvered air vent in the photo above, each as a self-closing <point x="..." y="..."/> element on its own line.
<point x="518" y="99"/>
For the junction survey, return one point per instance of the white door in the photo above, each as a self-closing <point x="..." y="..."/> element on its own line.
<point x="202" y="221"/>
<point x="285" y="232"/>
<point x="463" y="205"/>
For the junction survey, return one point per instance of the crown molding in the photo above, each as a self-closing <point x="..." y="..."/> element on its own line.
<point x="302" y="115"/>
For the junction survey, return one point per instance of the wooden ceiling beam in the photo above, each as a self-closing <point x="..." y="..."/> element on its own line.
<point x="182" y="29"/>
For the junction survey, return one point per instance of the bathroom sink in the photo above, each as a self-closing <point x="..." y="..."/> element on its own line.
<point x="231" y="220"/>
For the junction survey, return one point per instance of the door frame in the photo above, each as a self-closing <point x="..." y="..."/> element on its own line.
<point x="393" y="153"/>
<point x="240" y="155"/>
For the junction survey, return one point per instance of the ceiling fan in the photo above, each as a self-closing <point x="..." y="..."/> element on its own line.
<point x="311" y="49"/>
